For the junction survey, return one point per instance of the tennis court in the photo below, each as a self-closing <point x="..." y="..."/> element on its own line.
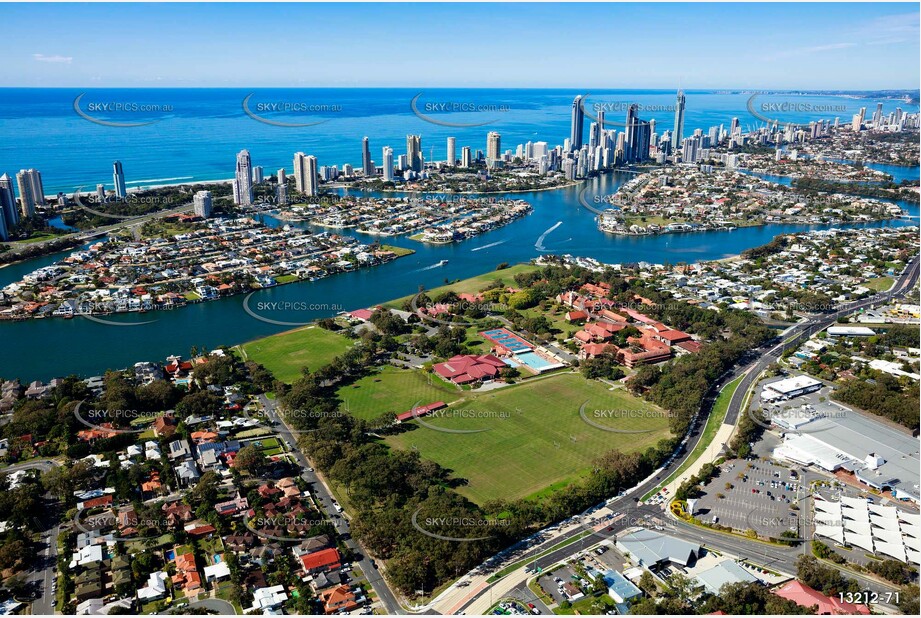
<point x="507" y="339"/>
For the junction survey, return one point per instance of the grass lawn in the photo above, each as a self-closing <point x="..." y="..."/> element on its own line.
<point x="286" y="353"/>
<point x="720" y="407"/>
<point x="474" y="284"/>
<point x="266" y="444"/>
<point x="285" y="279"/>
<point x="557" y="322"/>
<point x="400" y="251"/>
<point x="38" y="238"/>
<point x="880" y="284"/>
<point x="394" y="390"/>
<point x="536" y="436"/>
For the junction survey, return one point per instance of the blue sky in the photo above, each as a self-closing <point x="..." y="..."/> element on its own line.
<point x="816" y="46"/>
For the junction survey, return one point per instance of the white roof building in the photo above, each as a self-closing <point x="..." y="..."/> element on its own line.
<point x="215" y="572"/>
<point x="880" y="456"/>
<point x="267" y="599"/>
<point x="850" y="331"/>
<point x="790" y="387"/>
<point x="876" y="528"/>
<point x="155" y="588"/>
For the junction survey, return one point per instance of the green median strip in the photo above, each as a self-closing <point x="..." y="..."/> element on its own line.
<point x="518" y="565"/>
<point x="714" y="421"/>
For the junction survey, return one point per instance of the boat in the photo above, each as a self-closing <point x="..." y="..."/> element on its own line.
<point x="442" y="263"/>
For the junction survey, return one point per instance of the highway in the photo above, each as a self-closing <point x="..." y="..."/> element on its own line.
<point x="750" y="367"/>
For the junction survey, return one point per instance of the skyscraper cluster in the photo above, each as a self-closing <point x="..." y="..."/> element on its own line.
<point x="31" y="192"/>
<point x="305" y="174"/>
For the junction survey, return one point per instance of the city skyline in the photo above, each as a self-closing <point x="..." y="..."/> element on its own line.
<point x="855" y="47"/>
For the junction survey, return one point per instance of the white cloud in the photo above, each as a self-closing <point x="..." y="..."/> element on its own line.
<point x="53" y="59"/>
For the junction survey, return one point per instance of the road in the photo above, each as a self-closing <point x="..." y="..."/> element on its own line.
<point x="44" y="566"/>
<point x="325" y="496"/>
<point x="220" y="606"/>
<point x="749" y="367"/>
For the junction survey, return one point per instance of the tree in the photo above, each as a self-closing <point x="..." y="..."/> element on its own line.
<point x="249" y="459"/>
<point x="648" y="583"/>
<point x="908" y="600"/>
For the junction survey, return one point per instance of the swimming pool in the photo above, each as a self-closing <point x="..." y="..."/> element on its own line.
<point x="534" y="361"/>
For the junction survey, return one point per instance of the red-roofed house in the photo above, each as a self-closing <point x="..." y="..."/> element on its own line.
<point x="467" y="368"/>
<point x="323" y="560"/>
<point x="338" y="599"/>
<point x="187" y="576"/>
<point x="804" y="596"/>
<point x="361" y="314"/>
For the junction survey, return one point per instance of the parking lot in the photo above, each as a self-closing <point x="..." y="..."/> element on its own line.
<point x="756" y="495"/>
<point x="552" y="582"/>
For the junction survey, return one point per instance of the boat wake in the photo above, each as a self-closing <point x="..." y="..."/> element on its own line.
<point x="539" y="245"/>
<point x="432" y="267"/>
<point x="492" y="244"/>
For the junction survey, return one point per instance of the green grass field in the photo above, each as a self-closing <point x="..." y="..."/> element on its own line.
<point x="474" y="284"/>
<point x="394" y="390"/>
<point x="285" y="354"/>
<point x="880" y="284"/>
<point x="536" y="439"/>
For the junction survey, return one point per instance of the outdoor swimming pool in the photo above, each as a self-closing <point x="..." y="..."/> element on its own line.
<point x="534" y="361"/>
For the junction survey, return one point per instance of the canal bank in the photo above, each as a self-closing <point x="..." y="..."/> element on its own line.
<point x="42" y="349"/>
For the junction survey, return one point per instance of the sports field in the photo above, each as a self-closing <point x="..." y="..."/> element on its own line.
<point x="286" y="353"/>
<point x="394" y="390"/>
<point x="474" y="284"/>
<point x="536" y="439"/>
